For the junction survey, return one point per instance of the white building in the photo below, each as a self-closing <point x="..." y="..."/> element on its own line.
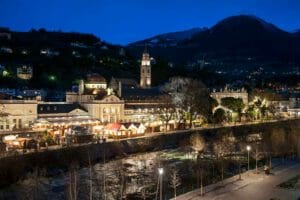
<point x="237" y="94"/>
<point x="17" y="114"/>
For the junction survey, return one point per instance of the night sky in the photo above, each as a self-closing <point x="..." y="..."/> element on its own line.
<point x="123" y="21"/>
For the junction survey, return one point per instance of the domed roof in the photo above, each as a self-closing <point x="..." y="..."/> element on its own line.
<point x="95" y="78"/>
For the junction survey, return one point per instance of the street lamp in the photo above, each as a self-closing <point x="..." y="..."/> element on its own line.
<point x="248" y="149"/>
<point x="160" y="172"/>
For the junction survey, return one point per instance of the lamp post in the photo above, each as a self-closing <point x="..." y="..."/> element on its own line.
<point x="248" y="149"/>
<point x="160" y="172"/>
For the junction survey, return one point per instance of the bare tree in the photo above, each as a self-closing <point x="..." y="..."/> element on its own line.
<point x="146" y="179"/>
<point x="224" y="146"/>
<point x="278" y="142"/>
<point x="147" y="190"/>
<point x="189" y="95"/>
<point x="35" y="186"/>
<point x="115" y="183"/>
<point x="167" y="109"/>
<point x="90" y="176"/>
<point x="198" y="144"/>
<point x="175" y="181"/>
<point x="73" y="182"/>
<point x="176" y="88"/>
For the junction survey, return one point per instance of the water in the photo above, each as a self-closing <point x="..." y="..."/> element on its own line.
<point x="135" y="175"/>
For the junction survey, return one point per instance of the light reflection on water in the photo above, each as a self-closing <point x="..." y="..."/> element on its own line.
<point x="138" y="170"/>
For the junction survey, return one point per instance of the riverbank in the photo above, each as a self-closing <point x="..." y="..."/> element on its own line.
<point x="15" y="168"/>
<point x="251" y="186"/>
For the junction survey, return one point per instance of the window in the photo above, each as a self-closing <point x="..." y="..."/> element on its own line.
<point x="14" y="121"/>
<point x="7" y="126"/>
<point x="1" y="127"/>
<point x="41" y="109"/>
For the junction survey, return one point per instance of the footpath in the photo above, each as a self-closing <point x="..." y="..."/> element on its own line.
<point x="253" y="186"/>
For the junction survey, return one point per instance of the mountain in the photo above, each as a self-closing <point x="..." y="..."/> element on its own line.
<point x="169" y="39"/>
<point x="297" y="33"/>
<point x="244" y="36"/>
<point x="234" y="38"/>
<point x="57" y="54"/>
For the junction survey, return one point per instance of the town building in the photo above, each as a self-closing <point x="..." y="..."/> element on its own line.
<point x="99" y="100"/>
<point x="145" y="70"/>
<point x="61" y="119"/>
<point x="93" y="105"/>
<point x="24" y="72"/>
<point x="287" y="105"/>
<point x="123" y="100"/>
<point x="226" y="92"/>
<point x="16" y="114"/>
<point x="31" y="94"/>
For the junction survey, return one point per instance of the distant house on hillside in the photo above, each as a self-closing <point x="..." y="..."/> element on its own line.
<point x="24" y="72"/>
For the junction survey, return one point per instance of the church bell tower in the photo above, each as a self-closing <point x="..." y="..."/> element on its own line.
<point x="145" y="70"/>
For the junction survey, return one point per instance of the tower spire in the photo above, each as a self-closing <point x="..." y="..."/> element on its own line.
<point x="146" y="49"/>
<point x="145" y="70"/>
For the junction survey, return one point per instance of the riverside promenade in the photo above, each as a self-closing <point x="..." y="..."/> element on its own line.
<point x="252" y="186"/>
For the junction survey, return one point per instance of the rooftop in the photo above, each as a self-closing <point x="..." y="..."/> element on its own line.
<point x="95" y="78"/>
<point x="55" y="108"/>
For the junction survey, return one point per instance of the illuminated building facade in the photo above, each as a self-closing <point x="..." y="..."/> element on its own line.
<point x="17" y="114"/>
<point x="237" y="94"/>
<point x="145" y="70"/>
<point x="24" y="72"/>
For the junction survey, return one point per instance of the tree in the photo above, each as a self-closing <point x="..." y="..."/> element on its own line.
<point x="198" y="144"/>
<point x="73" y="182"/>
<point x="219" y="116"/>
<point x="259" y="108"/>
<point x="278" y="142"/>
<point x="196" y="100"/>
<point x="189" y="95"/>
<point x="175" y="181"/>
<point x="166" y="109"/>
<point x="146" y="180"/>
<point x="224" y="146"/>
<point x="234" y="104"/>
<point x="176" y="88"/>
<point x="36" y="185"/>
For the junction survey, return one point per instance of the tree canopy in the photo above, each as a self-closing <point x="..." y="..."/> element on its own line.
<point x="234" y="104"/>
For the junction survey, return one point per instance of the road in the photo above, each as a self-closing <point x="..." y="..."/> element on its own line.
<point x="252" y="186"/>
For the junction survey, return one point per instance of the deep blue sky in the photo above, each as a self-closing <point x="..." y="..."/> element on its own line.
<point x="123" y="21"/>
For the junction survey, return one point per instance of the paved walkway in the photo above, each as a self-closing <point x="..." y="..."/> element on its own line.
<point x="252" y="186"/>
